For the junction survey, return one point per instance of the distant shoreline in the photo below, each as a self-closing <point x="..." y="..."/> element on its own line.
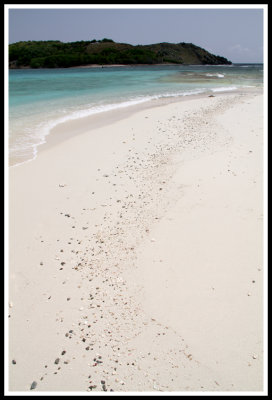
<point x="131" y="65"/>
<point x="114" y="65"/>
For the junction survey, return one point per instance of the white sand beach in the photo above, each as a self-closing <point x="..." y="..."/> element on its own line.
<point x="136" y="252"/>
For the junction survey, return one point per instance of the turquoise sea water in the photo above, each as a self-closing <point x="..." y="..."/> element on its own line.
<point x="40" y="99"/>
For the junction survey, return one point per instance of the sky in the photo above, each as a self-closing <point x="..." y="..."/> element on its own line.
<point x="236" y="34"/>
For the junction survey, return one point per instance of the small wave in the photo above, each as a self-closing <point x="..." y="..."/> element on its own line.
<point x="217" y="75"/>
<point x="224" y="89"/>
<point x="179" y="94"/>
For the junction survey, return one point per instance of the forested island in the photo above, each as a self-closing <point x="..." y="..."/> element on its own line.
<point x="56" y="54"/>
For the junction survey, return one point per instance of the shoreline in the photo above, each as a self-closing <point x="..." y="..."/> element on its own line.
<point x="65" y="130"/>
<point x="109" y="230"/>
<point x="119" y="65"/>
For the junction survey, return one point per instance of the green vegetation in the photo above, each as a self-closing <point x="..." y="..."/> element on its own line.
<point x="55" y="54"/>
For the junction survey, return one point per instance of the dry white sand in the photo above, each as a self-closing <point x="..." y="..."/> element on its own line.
<point x="136" y="254"/>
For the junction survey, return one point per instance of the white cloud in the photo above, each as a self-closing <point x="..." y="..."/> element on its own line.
<point x="239" y="49"/>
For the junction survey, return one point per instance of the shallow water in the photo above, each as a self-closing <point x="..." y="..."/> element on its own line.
<point x="40" y="99"/>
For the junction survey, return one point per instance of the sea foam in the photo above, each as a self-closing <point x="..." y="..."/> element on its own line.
<point x="217" y="75"/>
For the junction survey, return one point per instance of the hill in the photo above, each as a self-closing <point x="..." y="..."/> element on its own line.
<point x="56" y="54"/>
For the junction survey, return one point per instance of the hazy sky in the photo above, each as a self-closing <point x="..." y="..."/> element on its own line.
<point x="236" y="34"/>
